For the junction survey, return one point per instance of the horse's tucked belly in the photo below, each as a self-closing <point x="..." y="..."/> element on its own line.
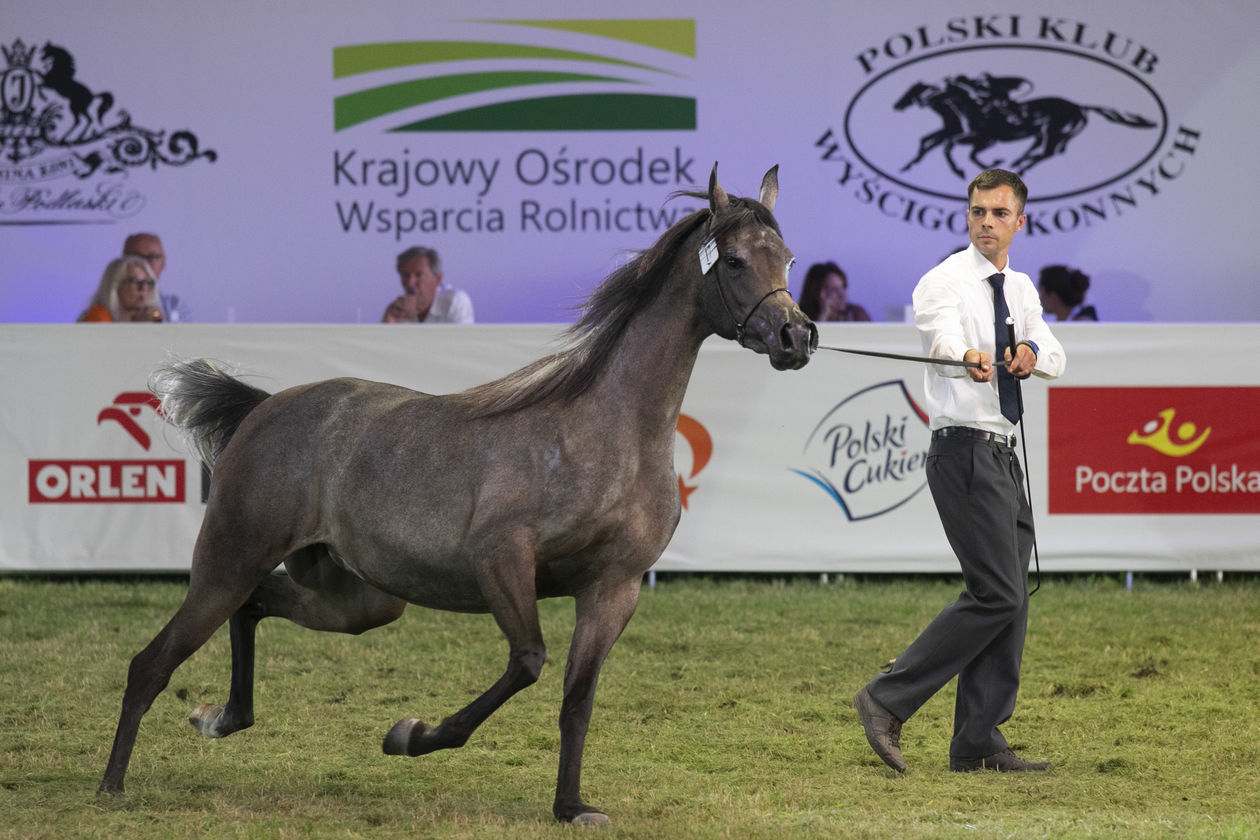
<point x="441" y="586"/>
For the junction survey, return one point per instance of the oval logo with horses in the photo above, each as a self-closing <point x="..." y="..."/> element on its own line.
<point x="1061" y="117"/>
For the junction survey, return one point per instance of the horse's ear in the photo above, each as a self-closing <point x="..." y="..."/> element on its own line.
<point x="770" y="188"/>
<point x="719" y="202"/>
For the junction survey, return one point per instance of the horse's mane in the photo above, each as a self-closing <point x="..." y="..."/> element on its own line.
<point x="607" y="312"/>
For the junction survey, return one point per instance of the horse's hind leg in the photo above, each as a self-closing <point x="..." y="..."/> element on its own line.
<point x="204" y="610"/>
<point x="327" y="598"/>
<point x="507" y="582"/>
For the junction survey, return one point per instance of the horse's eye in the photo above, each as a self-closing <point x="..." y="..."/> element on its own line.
<point x="733" y="261"/>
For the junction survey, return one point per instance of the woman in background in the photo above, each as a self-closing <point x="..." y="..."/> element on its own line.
<point x="1063" y="291"/>
<point x="825" y="295"/>
<point x="128" y="292"/>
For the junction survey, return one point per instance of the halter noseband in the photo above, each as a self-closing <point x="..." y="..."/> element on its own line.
<point x="739" y="325"/>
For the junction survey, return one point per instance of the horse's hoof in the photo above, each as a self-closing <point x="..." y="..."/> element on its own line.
<point x="205" y="719"/>
<point x="398" y="740"/>
<point x="591" y="819"/>
<point x="107" y="789"/>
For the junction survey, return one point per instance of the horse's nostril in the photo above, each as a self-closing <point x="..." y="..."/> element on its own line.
<point x="785" y="337"/>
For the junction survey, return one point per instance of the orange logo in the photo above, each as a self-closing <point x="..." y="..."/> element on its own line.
<point x="1157" y="436"/>
<point x="697" y="437"/>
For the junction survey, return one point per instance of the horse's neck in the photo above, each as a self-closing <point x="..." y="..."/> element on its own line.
<point x="60" y="71"/>
<point x="651" y="366"/>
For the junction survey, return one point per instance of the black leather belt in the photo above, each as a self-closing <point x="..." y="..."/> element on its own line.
<point x="973" y="434"/>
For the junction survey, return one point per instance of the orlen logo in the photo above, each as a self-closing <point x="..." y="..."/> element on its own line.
<point x="869" y="452"/>
<point x="114" y="480"/>
<point x="1153" y="450"/>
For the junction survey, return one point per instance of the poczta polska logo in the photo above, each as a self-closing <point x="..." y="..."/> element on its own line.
<point x="54" y="126"/>
<point x="1065" y="104"/>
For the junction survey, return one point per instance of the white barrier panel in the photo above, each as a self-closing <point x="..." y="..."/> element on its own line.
<point x="1144" y="456"/>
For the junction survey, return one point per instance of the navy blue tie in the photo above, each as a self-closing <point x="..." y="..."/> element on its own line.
<point x="1006" y="382"/>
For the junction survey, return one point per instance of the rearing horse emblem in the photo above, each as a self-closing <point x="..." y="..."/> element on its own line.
<point x="986" y="110"/>
<point x="44" y="106"/>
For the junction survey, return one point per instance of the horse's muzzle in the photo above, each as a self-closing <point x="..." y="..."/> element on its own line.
<point x="795" y="341"/>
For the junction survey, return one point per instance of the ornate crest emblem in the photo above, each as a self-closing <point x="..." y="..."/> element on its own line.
<point x="52" y="124"/>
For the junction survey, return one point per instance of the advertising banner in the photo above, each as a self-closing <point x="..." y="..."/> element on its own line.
<point x="816" y="470"/>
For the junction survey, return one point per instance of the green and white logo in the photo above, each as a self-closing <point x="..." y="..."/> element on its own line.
<point x="526" y="75"/>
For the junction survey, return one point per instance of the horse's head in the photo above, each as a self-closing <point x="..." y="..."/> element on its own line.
<point x="747" y="260"/>
<point x="56" y="56"/>
<point x="913" y="96"/>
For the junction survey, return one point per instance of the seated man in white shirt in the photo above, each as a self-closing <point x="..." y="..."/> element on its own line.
<point x="426" y="300"/>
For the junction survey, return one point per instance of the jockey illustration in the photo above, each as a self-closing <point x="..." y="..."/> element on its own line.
<point x="992" y="94"/>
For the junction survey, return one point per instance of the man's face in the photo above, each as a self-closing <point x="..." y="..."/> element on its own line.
<point x="418" y="279"/>
<point x="150" y="248"/>
<point x="993" y="218"/>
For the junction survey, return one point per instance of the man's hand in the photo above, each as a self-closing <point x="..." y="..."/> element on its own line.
<point x="983" y="373"/>
<point x="147" y="314"/>
<point x="1021" y="366"/>
<point x="402" y="310"/>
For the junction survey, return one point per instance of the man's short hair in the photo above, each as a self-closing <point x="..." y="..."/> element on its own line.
<point x="435" y="262"/>
<point x="991" y="179"/>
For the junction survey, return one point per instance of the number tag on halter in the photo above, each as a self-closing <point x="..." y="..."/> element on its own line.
<point x="708" y="256"/>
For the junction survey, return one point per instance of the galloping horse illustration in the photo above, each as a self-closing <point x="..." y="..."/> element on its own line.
<point x="86" y="108"/>
<point x="556" y="480"/>
<point x="978" y="112"/>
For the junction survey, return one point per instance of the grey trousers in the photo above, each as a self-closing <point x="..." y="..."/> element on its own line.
<point x="978" y="490"/>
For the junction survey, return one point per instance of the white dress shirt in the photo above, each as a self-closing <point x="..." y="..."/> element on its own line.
<point x="953" y="310"/>
<point x="450" y="306"/>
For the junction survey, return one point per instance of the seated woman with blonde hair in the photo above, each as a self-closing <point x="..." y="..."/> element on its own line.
<point x="128" y="292"/>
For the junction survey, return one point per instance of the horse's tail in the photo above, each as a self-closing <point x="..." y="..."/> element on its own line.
<point x="205" y="402"/>
<point x="1122" y="117"/>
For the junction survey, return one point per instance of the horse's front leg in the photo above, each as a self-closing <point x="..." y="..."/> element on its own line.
<point x="949" y="158"/>
<point x="979" y="147"/>
<point x="601" y="616"/>
<point x="927" y="144"/>
<point x="221" y="721"/>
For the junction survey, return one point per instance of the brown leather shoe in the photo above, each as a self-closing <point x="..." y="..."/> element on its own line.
<point x="883" y="731"/>
<point x="1004" y="762"/>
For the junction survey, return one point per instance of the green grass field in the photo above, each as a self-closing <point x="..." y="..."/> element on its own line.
<point x="723" y="712"/>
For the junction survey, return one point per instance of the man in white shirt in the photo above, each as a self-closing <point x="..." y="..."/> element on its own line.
<point x="426" y="300"/>
<point x="977" y="484"/>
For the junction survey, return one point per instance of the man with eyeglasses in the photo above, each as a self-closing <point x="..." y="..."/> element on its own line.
<point x="149" y="247"/>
